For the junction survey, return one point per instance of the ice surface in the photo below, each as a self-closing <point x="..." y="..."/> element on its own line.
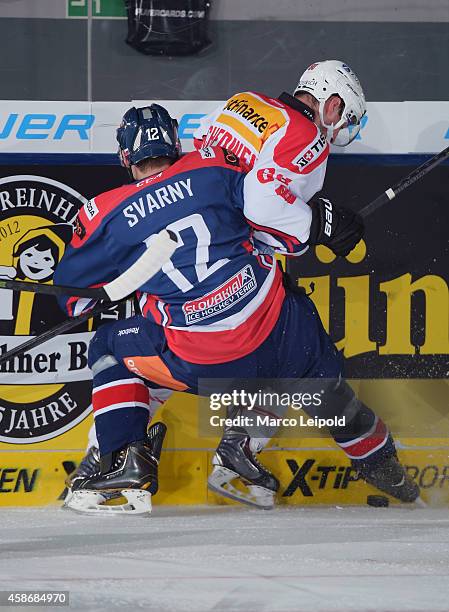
<point x="225" y="559"/>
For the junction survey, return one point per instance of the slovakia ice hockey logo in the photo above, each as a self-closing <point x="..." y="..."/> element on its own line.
<point x="221" y="299"/>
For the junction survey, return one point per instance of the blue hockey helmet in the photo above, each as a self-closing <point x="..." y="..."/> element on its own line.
<point x="147" y="132"/>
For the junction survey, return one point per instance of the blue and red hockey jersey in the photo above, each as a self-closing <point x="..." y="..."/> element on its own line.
<point x="218" y="298"/>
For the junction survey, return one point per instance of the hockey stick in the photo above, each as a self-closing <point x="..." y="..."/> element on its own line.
<point x="405" y="182"/>
<point x="156" y="255"/>
<point x="53" y="332"/>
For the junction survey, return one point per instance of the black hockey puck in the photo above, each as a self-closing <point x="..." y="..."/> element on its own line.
<point x="378" y="501"/>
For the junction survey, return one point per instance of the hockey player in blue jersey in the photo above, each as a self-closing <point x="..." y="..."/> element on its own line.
<point x="217" y="310"/>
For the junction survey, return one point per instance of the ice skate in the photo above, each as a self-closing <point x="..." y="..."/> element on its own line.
<point x="89" y="465"/>
<point x="389" y="476"/>
<point x="131" y="472"/>
<point x="234" y="460"/>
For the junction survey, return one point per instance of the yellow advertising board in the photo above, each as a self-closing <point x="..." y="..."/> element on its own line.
<point x="311" y="469"/>
<point x="308" y="476"/>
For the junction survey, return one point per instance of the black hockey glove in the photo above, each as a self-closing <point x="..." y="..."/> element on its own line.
<point x="338" y="228"/>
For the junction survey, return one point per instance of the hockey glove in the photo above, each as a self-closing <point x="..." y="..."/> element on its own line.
<point x="338" y="228"/>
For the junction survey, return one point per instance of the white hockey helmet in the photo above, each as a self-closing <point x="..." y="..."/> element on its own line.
<point x="325" y="79"/>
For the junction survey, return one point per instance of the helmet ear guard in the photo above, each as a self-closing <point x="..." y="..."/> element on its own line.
<point x="333" y="77"/>
<point x="123" y="155"/>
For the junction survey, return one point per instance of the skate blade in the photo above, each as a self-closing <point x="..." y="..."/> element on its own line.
<point x="411" y="505"/>
<point x="92" y="502"/>
<point x="106" y="496"/>
<point x="420" y="503"/>
<point x="258" y="497"/>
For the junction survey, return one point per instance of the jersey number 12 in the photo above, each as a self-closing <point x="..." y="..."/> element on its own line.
<point x="202" y="269"/>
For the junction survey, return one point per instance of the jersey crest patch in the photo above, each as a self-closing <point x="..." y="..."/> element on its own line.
<point x="224" y="297"/>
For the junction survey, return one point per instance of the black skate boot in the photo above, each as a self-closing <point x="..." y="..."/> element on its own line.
<point x="234" y="459"/>
<point x="89" y="465"/>
<point x="130" y="472"/>
<point x="389" y="476"/>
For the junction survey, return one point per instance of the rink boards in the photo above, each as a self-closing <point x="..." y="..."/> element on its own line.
<point x="386" y="306"/>
<point x="311" y="469"/>
<point x="310" y="476"/>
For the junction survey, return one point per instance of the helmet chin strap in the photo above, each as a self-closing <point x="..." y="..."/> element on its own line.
<point x="331" y="128"/>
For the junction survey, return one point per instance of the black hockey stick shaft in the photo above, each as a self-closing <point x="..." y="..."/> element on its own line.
<point x="61" y="328"/>
<point x="97" y="293"/>
<point x="405" y="182"/>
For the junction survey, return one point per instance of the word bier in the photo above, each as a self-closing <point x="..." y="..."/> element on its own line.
<point x="38" y="126"/>
<point x="169" y="194"/>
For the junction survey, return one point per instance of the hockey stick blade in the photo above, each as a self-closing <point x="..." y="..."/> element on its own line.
<point x="61" y="328"/>
<point x="156" y="255"/>
<point x="406" y="181"/>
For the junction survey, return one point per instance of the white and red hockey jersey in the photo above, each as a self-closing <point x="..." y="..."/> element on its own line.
<point x="286" y="155"/>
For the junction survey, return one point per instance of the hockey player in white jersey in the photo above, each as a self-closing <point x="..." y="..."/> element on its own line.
<point x="286" y="140"/>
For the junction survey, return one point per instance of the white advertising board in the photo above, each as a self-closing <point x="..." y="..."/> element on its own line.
<point x="83" y="127"/>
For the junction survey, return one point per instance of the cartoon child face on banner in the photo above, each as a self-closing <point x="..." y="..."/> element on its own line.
<point x="37" y="264"/>
<point x="39" y="250"/>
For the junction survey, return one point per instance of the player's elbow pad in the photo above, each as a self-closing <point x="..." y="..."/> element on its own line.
<point x="338" y="228"/>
